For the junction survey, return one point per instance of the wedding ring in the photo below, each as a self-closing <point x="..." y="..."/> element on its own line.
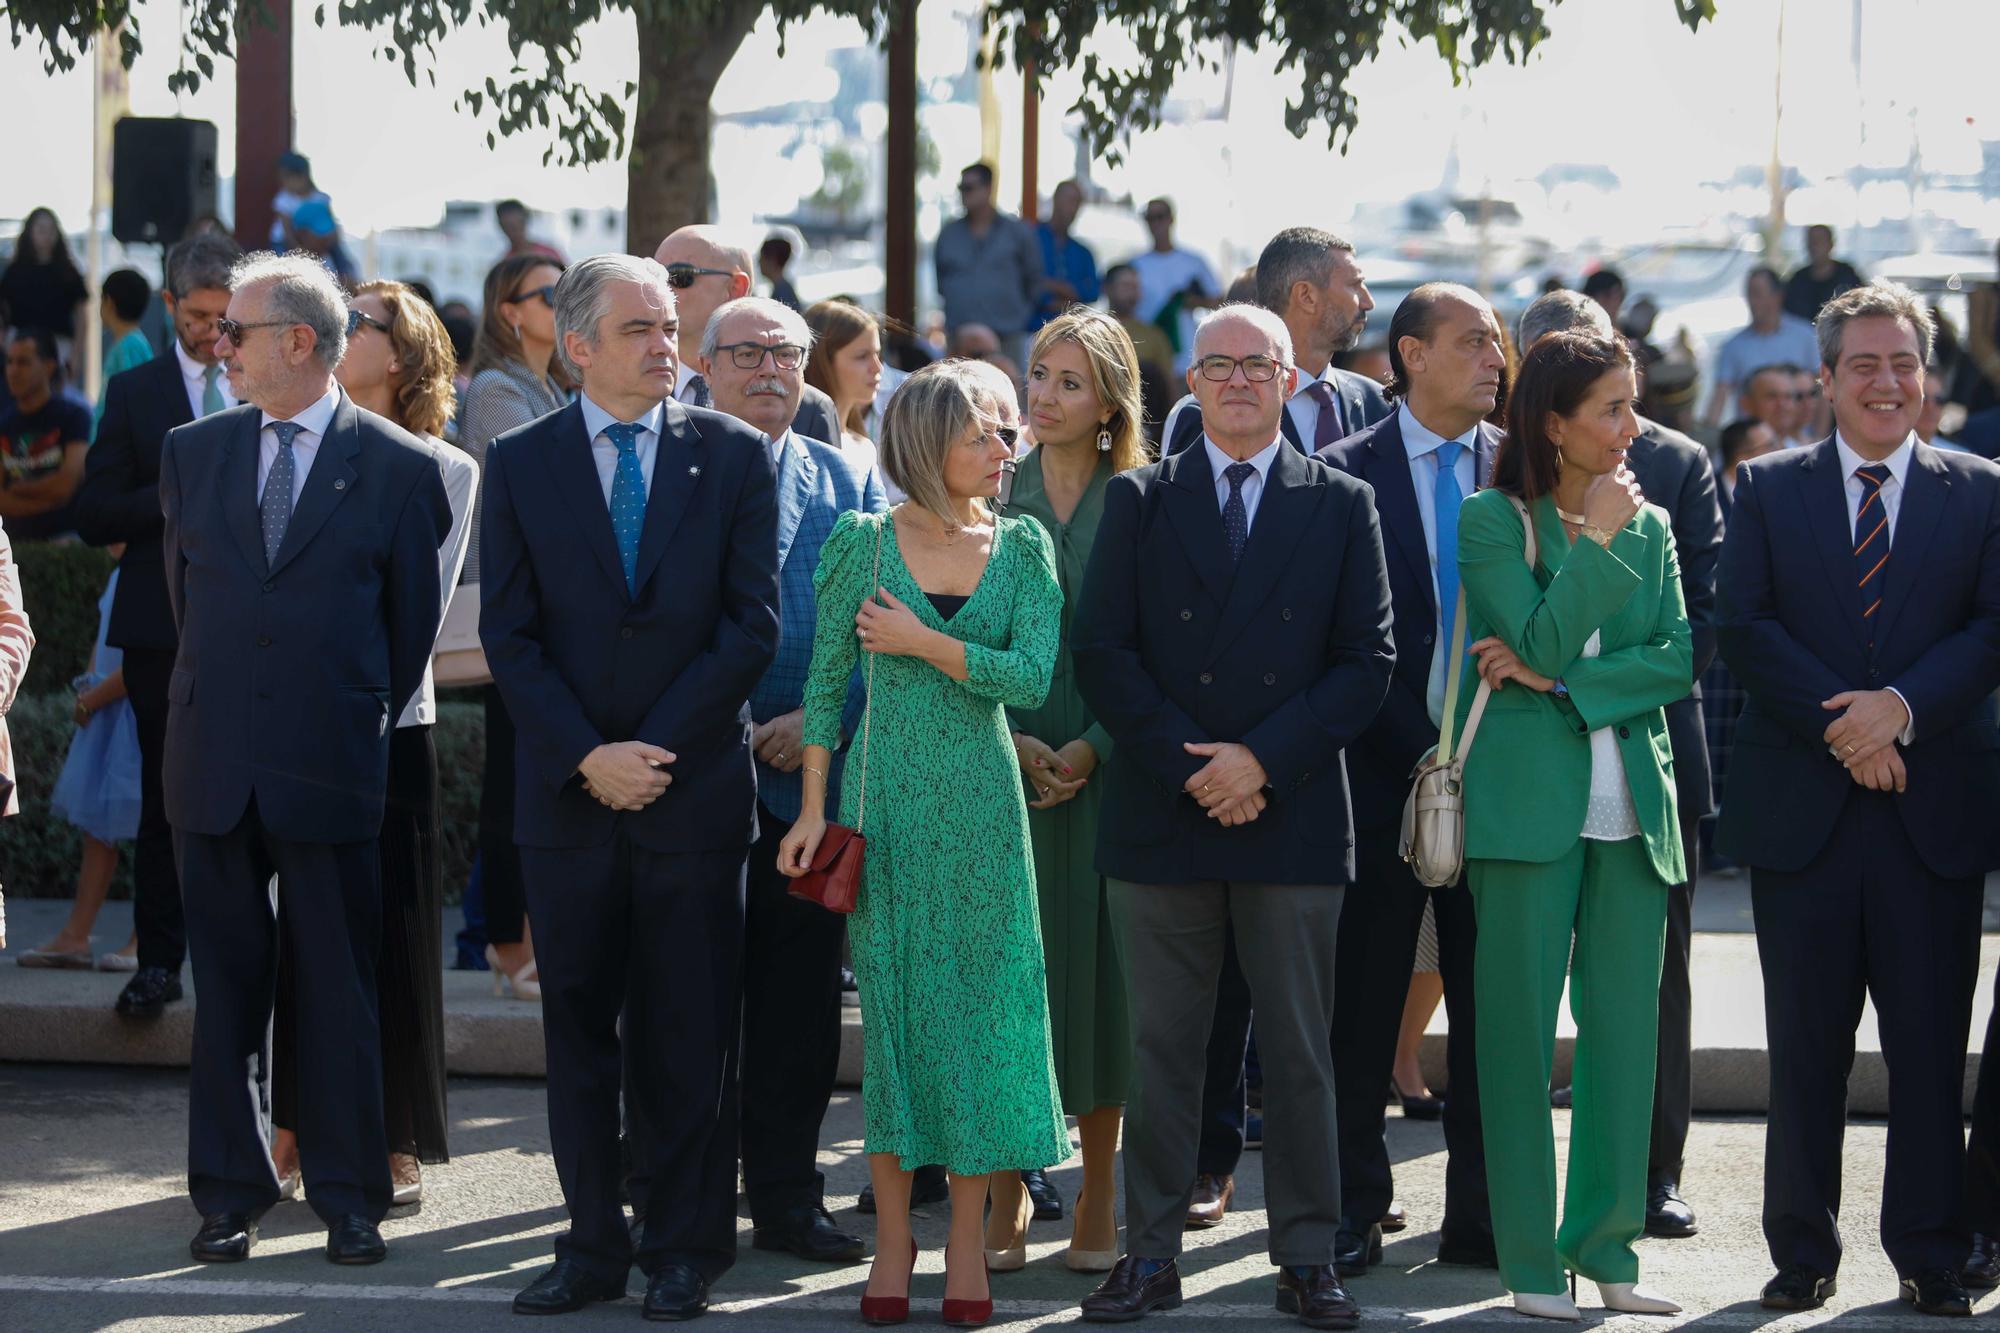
<point x="780" y="759"/>
<point x="1850" y="748"/>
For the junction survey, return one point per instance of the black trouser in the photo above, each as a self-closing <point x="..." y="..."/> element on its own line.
<point x="1379" y="926"/>
<point x="1866" y="918"/>
<point x="499" y="859"/>
<point x="330" y="910"/>
<point x="1224" y="1086"/>
<point x="157" y="918"/>
<point x="1673" y="1080"/>
<point x="791" y="1032"/>
<point x="1982" y="1148"/>
<point x="640" y="956"/>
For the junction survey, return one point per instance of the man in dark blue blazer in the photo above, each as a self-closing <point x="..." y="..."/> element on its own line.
<point x="1860" y="609"/>
<point x="1233" y="636"/>
<point x="119" y="501"/>
<point x="301" y="543"/>
<point x="629" y="592"/>
<point x="1444" y="347"/>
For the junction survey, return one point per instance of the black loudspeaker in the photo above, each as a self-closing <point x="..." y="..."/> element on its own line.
<point x="162" y="177"/>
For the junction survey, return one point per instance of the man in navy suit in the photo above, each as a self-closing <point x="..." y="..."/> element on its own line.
<point x="1860" y="609"/>
<point x="120" y="502"/>
<point x="753" y="354"/>
<point x="1233" y="636"/>
<point x="1422" y="462"/>
<point x="629" y="592"/>
<point x="301" y="543"/>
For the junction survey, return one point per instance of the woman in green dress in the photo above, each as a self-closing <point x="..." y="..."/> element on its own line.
<point x="960" y="613"/>
<point x="1084" y="407"/>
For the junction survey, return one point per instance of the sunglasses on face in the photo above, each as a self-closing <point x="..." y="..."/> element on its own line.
<point x="749" y="356"/>
<point x="355" y="319"/>
<point x="233" y="331"/>
<point x="682" y="276"/>
<point x="546" y="295"/>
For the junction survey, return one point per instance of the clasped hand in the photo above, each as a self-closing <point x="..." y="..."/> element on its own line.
<point x="1230" y="786"/>
<point x="1864" y="736"/>
<point x="1057" y="775"/>
<point x="622" y="774"/>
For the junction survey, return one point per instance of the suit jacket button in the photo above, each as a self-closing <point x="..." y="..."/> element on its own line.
<point x="625" y="633"/>
<point x="1207" y="679"/>
<point x="1624" y="733"/>
<point x="1186" y="614"/>
<point x="270" y="587"/>
<point x="1285" y="614"/>
<point x="1270" y="679"/>
<point x="1429" y="639"/>
<point x="263" y="641"/>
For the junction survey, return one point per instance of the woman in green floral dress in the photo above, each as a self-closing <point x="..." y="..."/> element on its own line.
<point x="963" y="622"/>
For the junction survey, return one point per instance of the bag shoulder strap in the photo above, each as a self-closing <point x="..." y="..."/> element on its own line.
<point x="1445" y="753"/>
<point x="868" y="688"/>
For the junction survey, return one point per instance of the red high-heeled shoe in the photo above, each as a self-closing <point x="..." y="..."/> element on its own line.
<point x="881" y="1311"/>
<point x="971" y="1314"/>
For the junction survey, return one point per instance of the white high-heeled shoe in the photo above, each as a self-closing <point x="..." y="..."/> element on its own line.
<point x="1631" y="1298"/>
<point x="1546" y="1305"/>
<point x="523" y="985"/>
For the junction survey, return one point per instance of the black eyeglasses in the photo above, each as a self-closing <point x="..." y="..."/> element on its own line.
<point x="233" y="331"/>
<point x="355" y="319"/>
<point x="682" y="276"/>
<point x="749" y="356"/>
<point x="546" y="295"/>
<point x="1256" y="369"/>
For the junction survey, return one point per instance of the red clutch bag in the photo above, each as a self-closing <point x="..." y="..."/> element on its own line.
<point x="834" y="882"/>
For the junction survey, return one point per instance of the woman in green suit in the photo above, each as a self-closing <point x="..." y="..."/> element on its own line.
<point x="1570" y="832"/>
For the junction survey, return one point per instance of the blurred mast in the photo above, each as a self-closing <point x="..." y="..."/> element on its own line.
<point x="1774" y="172"/>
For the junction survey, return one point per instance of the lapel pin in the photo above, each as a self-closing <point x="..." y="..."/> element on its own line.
<point x="694" y="472"/>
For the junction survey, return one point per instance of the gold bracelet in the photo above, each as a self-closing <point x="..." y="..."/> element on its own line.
<point x="1602" y="536"/>
<point x="810" y="769"/>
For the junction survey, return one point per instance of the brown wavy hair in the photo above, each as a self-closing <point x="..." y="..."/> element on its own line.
<point x="834" y="325"/>
<point x="495" y="347"/>
<point x="424" y="398"/>
<point x="1556" y="376"/>
<point x="1114" y="374"/>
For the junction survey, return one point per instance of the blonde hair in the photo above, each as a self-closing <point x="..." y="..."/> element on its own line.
<point x="424" y="396"/>
<point x="930" y="412"/>
<point x="1114" y="374"/>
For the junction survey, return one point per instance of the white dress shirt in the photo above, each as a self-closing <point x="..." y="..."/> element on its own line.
<point x="1305" y="408"/>
<point x="194" y="378"/>
<point x="605" y="454"/>
<point x="461" y="483"/>
<point x="312" y="423"/>
<point x="1421" y="443"/>
<point x="1253" y="485"/>
<point x="1853" y="487"/>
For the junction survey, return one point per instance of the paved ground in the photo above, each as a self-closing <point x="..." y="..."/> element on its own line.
<point x="94" y="1226"/>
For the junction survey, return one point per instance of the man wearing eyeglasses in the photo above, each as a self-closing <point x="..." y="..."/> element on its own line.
<point x="1233" y="636"/>
<point x="706" y="266"/>
<point x="753" y="353"/>
<point x="989" y="266"/>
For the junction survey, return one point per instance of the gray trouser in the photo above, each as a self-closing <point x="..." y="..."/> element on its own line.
<point x="1171" y="937"/>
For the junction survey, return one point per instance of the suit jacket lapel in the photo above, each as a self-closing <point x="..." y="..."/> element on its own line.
<point x="1396" y="504"/>
<point x="237" y="469"/>
<point x="796" y="474"/>
<point x="1825" y="502"/>
<point x="677" y="472"/>
<point x="1926" y="491"/>
<point x="1189" y="498"/>
<point x="575" y="473"/>
<point x="327" y="484"/>
<point x="1275" y="532"/>
<point x="180" y="411"/>
<point x="1290" y="429"/>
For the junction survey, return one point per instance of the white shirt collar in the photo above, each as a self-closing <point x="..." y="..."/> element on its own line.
<point x="1261" y="460"/>
<point x="1898" y="462"/>
<point x="193" y="371"/>
<point x="314" y="419"/>
<point x="1419" y="439"/>
<point x="596" y="419"/>
<point x="1307" y="379"/>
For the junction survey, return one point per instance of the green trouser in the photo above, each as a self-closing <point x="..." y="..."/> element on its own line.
<point x="1606" y="897"/>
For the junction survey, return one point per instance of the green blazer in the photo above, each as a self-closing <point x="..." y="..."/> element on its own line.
<point x="1527" y="780"/>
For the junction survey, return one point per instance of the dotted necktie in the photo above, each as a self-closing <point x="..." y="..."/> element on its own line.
<point x="1235" y="518"/>
<point x="276" y="506"/>
<point x="1871" y="543"/>
<point x="1329" y="427"/>
<point x="628" y="499"/>
<point x="211" y="391"/>
<point x="697" y="392"/>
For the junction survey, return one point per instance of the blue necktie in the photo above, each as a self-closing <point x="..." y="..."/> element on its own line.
<point x="628" y="500"/>
<point x="1871" y="543"/>
<point x="276" y="507"/>
<point x="1445" y="502"/>
<point x="1235" y="518"/>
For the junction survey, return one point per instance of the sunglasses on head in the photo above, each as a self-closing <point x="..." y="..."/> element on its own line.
<point x="682" y="276"/>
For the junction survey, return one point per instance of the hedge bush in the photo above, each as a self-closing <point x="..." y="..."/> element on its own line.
<point x="60" y="584"/>
<point x="39" y="853"/>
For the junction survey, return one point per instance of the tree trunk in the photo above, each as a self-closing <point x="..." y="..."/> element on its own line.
<point x="668" y="184"/>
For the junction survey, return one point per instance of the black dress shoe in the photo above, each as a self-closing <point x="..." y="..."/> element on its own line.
<point x="1048" y="1200"/>
<point x="808" y="1231"/>
<point x="1313" y="1293"/>
<point x="1936" y="1291"/>
<point x="1798" y="1287"/>
<point x="928" y="1184"/>
<point x="149" y="992"/>
<point x="1426" y="1107"/>
<point x="566" y="1287"/>
<point x="1135" y="1289"/>
<point x="675" y="1293"/>
<point x="1667" y="1213"/>
<point x="1356" y="1247"/>
<point x="1560" y="1098"/>
<point x="1467" y="1251"/>
<point x="355" y="1240"/>
<point x="1982" y="1266"/>
<point x="224" y="1238"/>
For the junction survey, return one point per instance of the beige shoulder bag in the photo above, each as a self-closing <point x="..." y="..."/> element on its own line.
<point x="1433" y="840"/>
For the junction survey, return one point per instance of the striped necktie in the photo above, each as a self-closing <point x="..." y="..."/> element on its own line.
<point x="1871" y="543"/>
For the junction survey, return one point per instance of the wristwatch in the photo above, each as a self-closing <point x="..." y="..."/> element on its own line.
<point x="1559" y="690"/>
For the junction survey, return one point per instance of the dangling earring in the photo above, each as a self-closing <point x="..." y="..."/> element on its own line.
<point x="517" y="330"/>
<point x="1104" y="440"/>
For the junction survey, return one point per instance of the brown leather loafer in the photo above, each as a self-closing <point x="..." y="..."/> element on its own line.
<point x="1135" y="1289"/>
<point x="1210" y="1203"/>
<point x="1313" y="1293"/>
